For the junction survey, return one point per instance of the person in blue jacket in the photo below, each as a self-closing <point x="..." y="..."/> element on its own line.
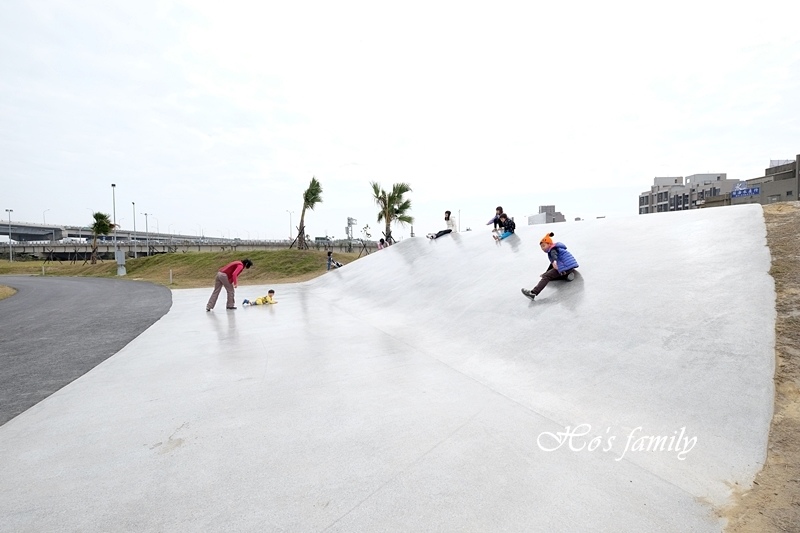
<point x="562" y="265"/>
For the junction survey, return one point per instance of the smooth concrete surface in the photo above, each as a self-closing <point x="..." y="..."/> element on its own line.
<point x="414" y="390"/>
<point x="56" y="329"/>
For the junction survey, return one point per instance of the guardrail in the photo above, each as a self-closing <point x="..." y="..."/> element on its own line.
<point x="105" y="249"/>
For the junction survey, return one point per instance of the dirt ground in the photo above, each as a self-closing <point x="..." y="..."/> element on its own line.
<point x="773" y="503"/>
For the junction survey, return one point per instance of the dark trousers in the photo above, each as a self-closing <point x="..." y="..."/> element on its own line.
<point x="551" y="275"/>
<point x="443" y="232"/>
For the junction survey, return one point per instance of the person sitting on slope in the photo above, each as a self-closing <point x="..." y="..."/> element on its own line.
<point x="451" y="226"/>
<point x="333" y="263"/>
<point x="562" y="265"/>
<point x="496" y="218"/>
<point x="507" y="226"/>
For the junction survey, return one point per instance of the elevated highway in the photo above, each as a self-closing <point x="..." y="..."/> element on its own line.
<point x="30" y="232"/>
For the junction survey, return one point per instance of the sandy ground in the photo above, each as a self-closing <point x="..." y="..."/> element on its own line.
<point x="773" y="504"/>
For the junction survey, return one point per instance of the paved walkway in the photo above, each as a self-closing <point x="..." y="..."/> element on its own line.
<point x="57" y="329"/>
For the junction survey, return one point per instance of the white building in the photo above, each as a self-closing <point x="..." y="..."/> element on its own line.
<point x="546" y="215"/>
<point x="679" y="193"/>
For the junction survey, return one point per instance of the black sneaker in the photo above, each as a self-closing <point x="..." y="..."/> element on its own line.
<point x="528" y="293"/>
<point x="230" y="308"/>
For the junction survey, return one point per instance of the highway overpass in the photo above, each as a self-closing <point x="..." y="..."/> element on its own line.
<point x="29" y="232"/>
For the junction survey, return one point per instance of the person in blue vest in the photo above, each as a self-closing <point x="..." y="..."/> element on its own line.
<point x="562" y="265"/>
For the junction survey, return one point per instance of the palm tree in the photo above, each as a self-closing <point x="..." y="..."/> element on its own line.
<point x="102" y="225"/>
<point x="393" y="207"/>
<point x="311" y="197"/>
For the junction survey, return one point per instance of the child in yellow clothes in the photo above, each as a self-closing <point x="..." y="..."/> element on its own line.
<point x="264" y="300"/>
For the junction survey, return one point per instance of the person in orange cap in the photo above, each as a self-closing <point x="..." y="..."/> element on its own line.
<point x="562" y="265"/>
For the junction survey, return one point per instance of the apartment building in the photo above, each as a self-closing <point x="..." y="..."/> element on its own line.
<point x="780" y="183"/>
<point x="678" y="193"/>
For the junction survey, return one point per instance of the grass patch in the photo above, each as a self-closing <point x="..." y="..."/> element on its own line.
<point x="5" y="292"/>
<point x="196" y="269"/>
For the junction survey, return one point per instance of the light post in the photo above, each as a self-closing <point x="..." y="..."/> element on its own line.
<point x="290" y="223"/>
<point x="114" y="203"/>
<point x="44" y="222"/>
<point x="147" y="234"/>
<point x="169" y="230"/>
<point x="91" y="214"/>
<point x="10" y="247"/>
<point x="134" y="230"/>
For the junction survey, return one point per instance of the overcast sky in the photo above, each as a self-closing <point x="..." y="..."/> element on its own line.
<point x="213" y="116"/>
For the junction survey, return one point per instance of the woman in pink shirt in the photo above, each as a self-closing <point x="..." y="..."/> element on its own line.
<point x="228" y="277"/>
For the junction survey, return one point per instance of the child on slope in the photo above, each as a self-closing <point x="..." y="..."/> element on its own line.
<point x="264" y="300"/>
<point x="333" y="263"/>
<point x="562" y="265"/>
<point x="507" y="228"/>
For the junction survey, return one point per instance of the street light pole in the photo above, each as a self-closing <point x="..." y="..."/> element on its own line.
<point x="114" y="202"/>
<point x="10" y="247"/>
<point x="44" y="222"/>
<point x="147" y="234"/>
<point x="135" y="240"/>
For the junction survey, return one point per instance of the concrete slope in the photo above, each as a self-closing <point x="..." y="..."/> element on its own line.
<point x="418" y="390"/>
<point x="670" y="324"/>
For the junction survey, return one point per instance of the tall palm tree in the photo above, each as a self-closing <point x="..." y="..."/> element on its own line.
<point x="311" y="197"/>
<point x="102" y="225"/>
<point x="393" y="206"/>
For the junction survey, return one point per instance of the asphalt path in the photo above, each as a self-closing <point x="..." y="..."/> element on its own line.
<point x="54" y="330"/>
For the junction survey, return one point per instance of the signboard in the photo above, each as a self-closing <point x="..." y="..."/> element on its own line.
<point x="737" y="192"/>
